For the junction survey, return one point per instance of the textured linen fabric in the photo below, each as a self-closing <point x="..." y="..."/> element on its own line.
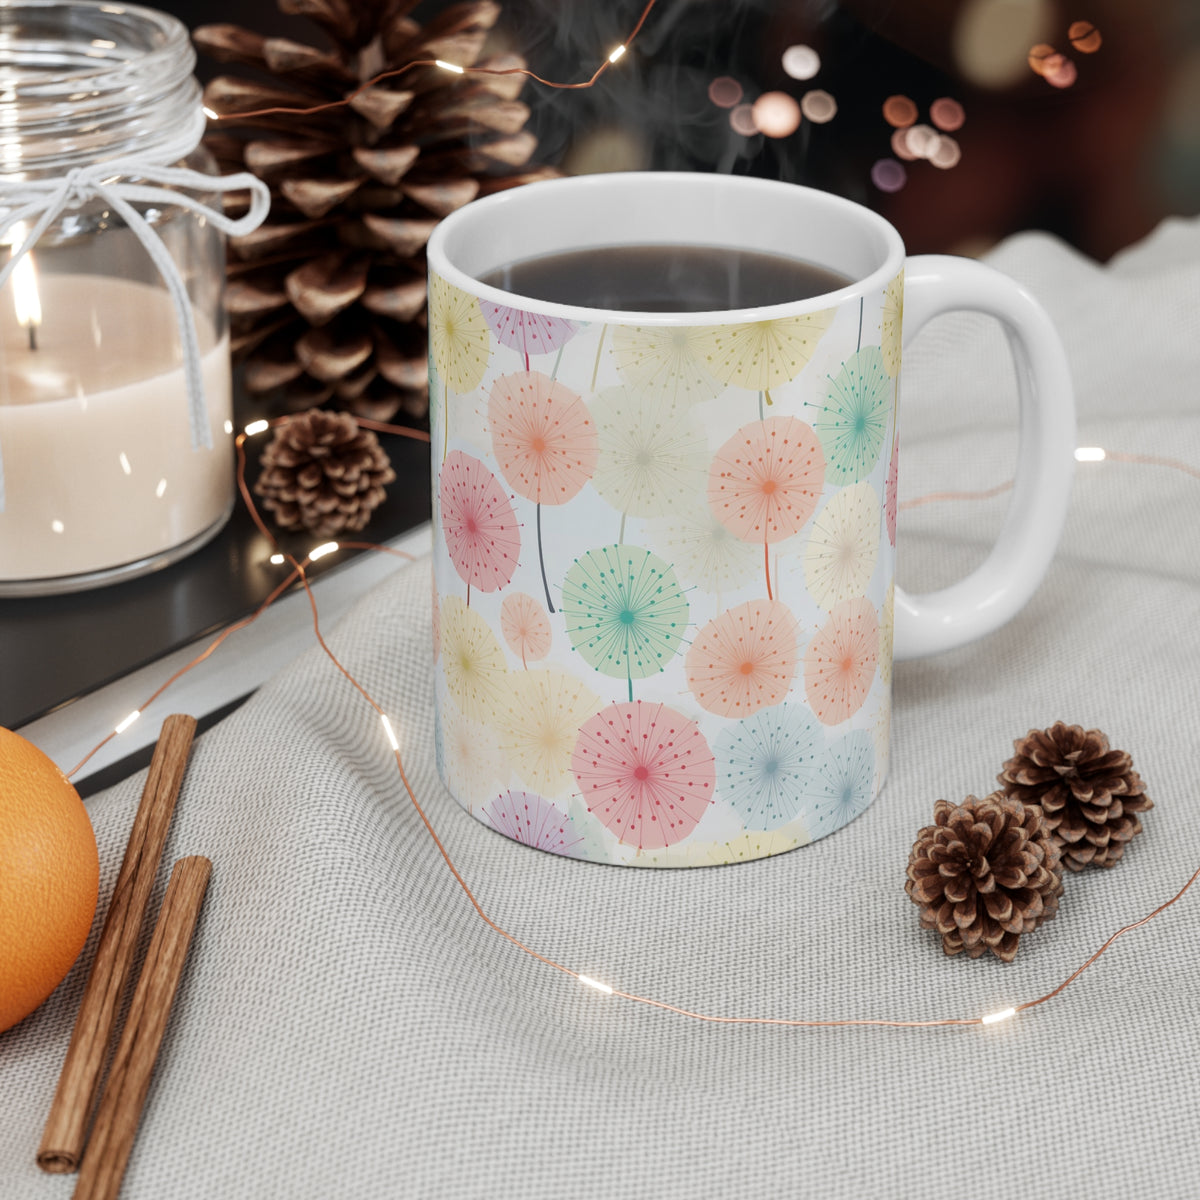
<point x="347" y="1025"/>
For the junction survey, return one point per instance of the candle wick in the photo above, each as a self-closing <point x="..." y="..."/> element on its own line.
<point x="32" y="327"/>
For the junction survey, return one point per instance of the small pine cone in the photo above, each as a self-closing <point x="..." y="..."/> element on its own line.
<point x="985" y="872"/>
<point x="324" y="474"/>
<point x="1089" y="793"/>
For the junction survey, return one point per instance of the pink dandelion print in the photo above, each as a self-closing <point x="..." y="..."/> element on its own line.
<point x="525" y="627"/>
<point x="544" y="441"/>
<point x="478" y="523"/>
<point x="765" y="481"/>
<point x="841" y="659"/>
<point x="533" y="821"/>
<point x="745" y="659"/>
<point x="531" y="333"/>
<point x="889" y="495"/>
<point x="645" y="771"/>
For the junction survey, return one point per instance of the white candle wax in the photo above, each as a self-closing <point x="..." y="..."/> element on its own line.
<point x="94" y="432"/>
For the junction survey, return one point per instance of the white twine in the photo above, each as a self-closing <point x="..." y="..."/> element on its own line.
<point x="44" y="200"/>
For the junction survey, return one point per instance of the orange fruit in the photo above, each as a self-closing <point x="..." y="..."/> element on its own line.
<point x="49" y="877"/>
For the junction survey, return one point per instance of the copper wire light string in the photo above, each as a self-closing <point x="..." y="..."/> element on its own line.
<point x="456" y="69"/>
<point x="299" y="572"/>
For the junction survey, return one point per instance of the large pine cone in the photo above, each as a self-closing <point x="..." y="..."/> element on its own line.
<point x="322" y="473"/>
<point x="1090" y="794"/>
<point x="984" y="873"/>
<point x="327" y="298"/>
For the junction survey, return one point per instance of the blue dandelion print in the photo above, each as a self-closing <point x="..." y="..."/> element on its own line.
<point x="767" y="764"/>
<point x="854" y="417"/>
<point x="841" y="785"/>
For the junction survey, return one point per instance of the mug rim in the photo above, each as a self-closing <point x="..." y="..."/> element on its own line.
<point x="439" y="261"/>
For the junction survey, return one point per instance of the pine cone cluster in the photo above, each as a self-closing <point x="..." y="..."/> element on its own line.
<point x="322" y="473"/>
<point x="984" y="873"/>
<point x="327" y="298"/>
<point x="1090" y="794"/>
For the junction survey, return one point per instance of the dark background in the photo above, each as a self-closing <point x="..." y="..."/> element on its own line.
<point x="1099" y="162"/>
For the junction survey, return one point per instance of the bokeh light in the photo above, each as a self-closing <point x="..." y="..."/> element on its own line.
<point x="888" y="175"/>
<point x="818" y="106"/>
<point x="776" y="114"/>
<point x="1060" y="71"/>
<point x="947" y="114"/>
<point x="991" y="38"/>
<point x="801" y="62"/>
<point x="900" y="145"/>
<point x="1038" y="55"/>
<point x="724" y="91"/>
<point x="946" y="153"/>
<point x="921" y="140"/>
<point x="742" y="119"/>
<point x="899" y="111"/>
<point x="1085" y="37"/>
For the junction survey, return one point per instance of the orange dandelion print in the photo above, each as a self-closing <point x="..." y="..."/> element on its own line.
<point x="745" y="659"/>
<point x="841" y="659"/>
<point x="525" y="627"/>
<point x="765" y="481"/>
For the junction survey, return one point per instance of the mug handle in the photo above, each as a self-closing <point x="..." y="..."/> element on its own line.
<point x="1001" y="585"/>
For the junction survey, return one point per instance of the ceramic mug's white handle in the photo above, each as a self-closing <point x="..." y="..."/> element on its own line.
<point x="999" y="588"/>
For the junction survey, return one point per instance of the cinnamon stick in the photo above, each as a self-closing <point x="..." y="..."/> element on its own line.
<point x="66" y="1126"/>
<point x="120" y="1108"/>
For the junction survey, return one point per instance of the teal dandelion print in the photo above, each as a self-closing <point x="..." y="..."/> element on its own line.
<point x="625" y="612"/>
<point x="841" y="786"/>
<point x="853" y="420"/>
<point x="768" y="763"/>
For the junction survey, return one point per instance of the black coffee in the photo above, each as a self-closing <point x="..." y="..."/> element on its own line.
<point x="665" y="278"/>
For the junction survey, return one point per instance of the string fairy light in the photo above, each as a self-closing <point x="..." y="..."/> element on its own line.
<point x="614" y="56"/>
<point x="299" y="573"/>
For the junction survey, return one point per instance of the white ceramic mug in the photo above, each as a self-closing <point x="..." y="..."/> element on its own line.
<point x="664" y="591"/>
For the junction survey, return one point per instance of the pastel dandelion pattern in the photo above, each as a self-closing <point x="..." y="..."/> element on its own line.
<point x="887" y="634"/>
<point x="760" y="355"/>
<point x="478" y="524"/>
<point x="840" y="661"/>
<point x="843" y="546"/>
<point x="538" y="724"/>
<point x="527" y="332"/>
<point x="765" y="481"/>
<point x="472" y="660"/>
<point x="702" y="549"/>
<point x="459" y="343"/>
<point x="646" y="772"/>
<point x="525" y="627"/>
<point x="474" y="765"/>
<point x="843" y="783"/>
<point x="653" y="458"/>
<point x="766" y="765"/>
<point x="665" y="362"/>
<point x="544" y="441"/>
<point x="891" y="327"/>
<point x="533" y="821"/>
<point x="853" y="419"/>
<point x="744" y="660"/>
<point x="890" y="501"/>
<point x="625" y="612"/>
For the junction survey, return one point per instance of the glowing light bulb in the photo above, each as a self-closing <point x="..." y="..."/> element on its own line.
<point x="208" y="112"/>
<point x="617" y="52"/>
<point x="276" y="559"/>
<point x="588" y="981"/>
<point x="1090" y="454"/>
<point x="391" y="733"/>
<point x="449" y="66"/>
<point x="129" y="720"/>
<point x="320" y="551"/>
<point x="259" y="426"/>
<point x="1002" y="1015"/>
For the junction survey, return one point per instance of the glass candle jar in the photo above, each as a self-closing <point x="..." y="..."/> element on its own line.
<point x="115" y="436"/>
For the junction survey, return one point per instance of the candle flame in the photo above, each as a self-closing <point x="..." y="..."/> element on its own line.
<point x="26" y="299"/>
